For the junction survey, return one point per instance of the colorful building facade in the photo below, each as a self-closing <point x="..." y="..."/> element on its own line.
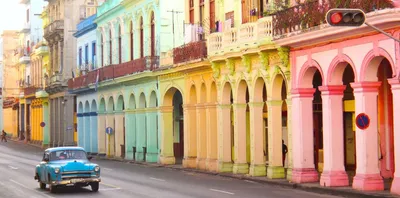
<point x="337" y="75"/>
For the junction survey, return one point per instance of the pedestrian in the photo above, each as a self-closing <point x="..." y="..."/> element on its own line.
<point x="284" y="151"/>
<point x="3" y="136"/>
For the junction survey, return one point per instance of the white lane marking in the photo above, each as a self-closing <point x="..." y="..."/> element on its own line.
<point x="109" y="189"/>
<point x="157" y="179"/>
<point x="109" y="185"/>
<point x="19" y="184"/>
<point x="12" y="167"/>
<point x="253" y="182"/>
<point x="221" y="191"/>
<point x="109" y="169"/>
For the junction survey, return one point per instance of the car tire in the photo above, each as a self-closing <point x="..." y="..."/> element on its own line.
<point x="42" y="185"/>
<point x="95" y="186"/>
<point x="53" y="189"/>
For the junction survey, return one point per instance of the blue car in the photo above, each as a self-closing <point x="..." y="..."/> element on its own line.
<point x="67" y="166"/>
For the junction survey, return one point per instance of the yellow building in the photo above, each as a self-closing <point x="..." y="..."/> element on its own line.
<point x="10" y="90"/>
<point x="235" y="100"/>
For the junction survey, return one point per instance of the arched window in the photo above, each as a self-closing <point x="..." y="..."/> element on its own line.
<point x="141" y="38"/>
<point x="110" y="48"/>
<point x="119" y="44"/>
<point x="131" y="33"/>
<point x="152" y="36"/>
<point x="102" y="50"/>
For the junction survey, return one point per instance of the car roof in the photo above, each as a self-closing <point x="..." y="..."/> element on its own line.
<point x="65" y="148"/>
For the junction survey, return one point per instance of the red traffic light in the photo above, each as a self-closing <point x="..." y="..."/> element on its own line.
<point x="345" y="17"/>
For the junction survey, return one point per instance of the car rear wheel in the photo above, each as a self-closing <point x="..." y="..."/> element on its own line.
<point x="42" y="185"/>
<point x="95" y="186"/>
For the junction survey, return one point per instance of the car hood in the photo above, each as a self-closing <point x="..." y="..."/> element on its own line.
<point x="74" y="165"/>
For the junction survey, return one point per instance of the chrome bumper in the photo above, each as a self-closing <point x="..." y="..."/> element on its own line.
<point x="74" y="181"/>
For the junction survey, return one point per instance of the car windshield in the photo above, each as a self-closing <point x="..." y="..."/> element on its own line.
<point x="67" y="155"/>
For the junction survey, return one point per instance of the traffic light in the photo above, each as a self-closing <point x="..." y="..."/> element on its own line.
<point x="345" y="17"/>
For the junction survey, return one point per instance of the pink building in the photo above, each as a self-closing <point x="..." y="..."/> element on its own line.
<point x="338" y="73"/>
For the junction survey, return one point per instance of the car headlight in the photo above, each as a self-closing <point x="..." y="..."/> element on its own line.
<point x="97" y="169"/>
<point x="57" y="170"/>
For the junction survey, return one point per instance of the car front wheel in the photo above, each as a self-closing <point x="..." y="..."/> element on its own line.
<point x="53" y="189"/>
<point x="95" y="186"/>
<point x="42" y="185"/>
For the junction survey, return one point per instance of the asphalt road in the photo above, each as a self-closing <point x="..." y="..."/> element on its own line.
<point x="17" y="162"/>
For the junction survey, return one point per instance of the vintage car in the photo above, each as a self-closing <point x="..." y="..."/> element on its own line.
<point x="67" y="166"/>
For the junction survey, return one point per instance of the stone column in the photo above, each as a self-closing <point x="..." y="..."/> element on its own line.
<point x="141" y="135"/>
<point x="190" y="136"/>
<point x="119" y="133"/>
<point x="130" y="134"/>
<point x="115" y="49"/>
<point x="240" y="165"/>
<point x="101" y="133"/>
<point x="86" y="144"/>
<point x="224" y="138"/>
<point x="81" y="129"/>
<point x="152" y="134"/>
<point x="110" y="139"/>
<point x="275" y="168"/>
<point x="167" y="145"/>
<point x="126" y="47"/>
<point x="94" y="133"/>
<point x="46" y="120"/>
<point x="367" y="176"/>
<point x="334" y="173"/>
<point x="302" y="121"/>
<point x="257" y="166"/>
<point x="395" y="83"/>
<point x="212" y="137"/>
<point x="51" y="58"/>
<point x="201" y="136"/>
<point x="67" y="123"/>
<point x="290" y="140"/>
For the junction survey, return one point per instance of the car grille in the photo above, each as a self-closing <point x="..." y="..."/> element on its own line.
<point x="76" y="174"/>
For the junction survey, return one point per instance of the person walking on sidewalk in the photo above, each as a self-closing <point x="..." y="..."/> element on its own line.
<point x="3" y="136"/>
<point x="284" y="151"/>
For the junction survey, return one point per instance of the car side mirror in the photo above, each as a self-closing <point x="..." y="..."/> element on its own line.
<point x="46" y="159"/>
<point x="90" y="158"/>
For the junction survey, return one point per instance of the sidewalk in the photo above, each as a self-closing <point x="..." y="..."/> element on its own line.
<point x="310" y="187"/>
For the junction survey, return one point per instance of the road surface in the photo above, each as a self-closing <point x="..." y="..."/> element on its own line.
<point x="17" y="163"/>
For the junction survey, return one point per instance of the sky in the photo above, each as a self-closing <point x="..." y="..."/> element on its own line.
<point x="11" y="15"/>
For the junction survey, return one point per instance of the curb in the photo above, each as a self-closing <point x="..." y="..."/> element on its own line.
<point x="286" y="184"/>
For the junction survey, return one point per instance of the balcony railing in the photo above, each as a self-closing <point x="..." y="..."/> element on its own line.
<point x="189" y="52"/>
<point x="29" y="90"/>
<point x="115" y="71"/>
<point x="245" y="34"/>
<point x="53" y="27"/>
<point x="311" y="14"/>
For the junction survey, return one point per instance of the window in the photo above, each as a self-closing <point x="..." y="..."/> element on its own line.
<point x="119" y="45"/>
<point x="93" y="53"/>
<point x="86" y="54"/>
<point x="141" y="38"/>
<point x="191" y="12"/>
<point x="153" y="39"/>
<point x="132" y="47"/>
<point x="80" y="57"/>
<point x="212" y="16"/>
<point x="110" y="48"/>
<point x="102" y="50"/>
<point x="27" y="16"/>
<point x="68" y="155"/>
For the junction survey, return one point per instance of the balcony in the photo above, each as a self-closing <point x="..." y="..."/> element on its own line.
<point x="114" y="71"/>
<point x="56" y="27"/>
<point x="307" y="16"/>
<point x="238" y="38"/>
<point x="24" y="55"/>
<point x="31" y="90"/>
<point x="190" y="52"/>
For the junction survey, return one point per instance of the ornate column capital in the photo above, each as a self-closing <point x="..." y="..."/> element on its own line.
<point x="303" y="92"/>
<point x="166" y="109"/>
<point x="332" y="89"/>
<point x="272" y="103"/>
<point x="366" y="87"/>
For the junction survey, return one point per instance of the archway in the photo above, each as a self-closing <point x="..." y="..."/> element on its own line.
<point x="120" y="127"/>
<point x="87" y="136"/>
<point x="102" y="125"/>
<point x="241" y="129"/>
<point x="152" y="128"/>
<point x="141" y="129"/>
<point x="110" y="122"/>
<point x="94" y="129"/>
<point x="81" y="126"/>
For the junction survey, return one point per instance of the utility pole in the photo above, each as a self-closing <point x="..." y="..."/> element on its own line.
<point x="173" y="25"/>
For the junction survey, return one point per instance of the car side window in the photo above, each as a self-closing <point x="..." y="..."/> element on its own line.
<point x="45" y="155"/>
